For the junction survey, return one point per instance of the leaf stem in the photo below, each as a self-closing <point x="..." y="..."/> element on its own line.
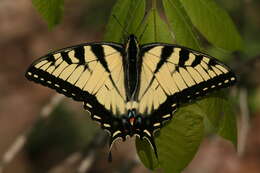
<point x="154" y="4"/>
<point x="154" y="8"/>
<point x="154" y="21"/>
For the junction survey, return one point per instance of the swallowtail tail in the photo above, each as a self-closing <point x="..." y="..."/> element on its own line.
<point x="131" y="89"/>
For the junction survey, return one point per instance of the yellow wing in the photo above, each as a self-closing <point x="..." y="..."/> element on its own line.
<point x="171" y="75"/>
<point x="92" y="73"/>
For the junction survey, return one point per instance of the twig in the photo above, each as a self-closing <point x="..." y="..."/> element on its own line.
<point x="20" y="141"/>
<point x="86" y="163"/>
<point x="99" y="140"/>
<point x="243" y="101"/>
<point x="84" y="159"/>
<point x="12" y="151"/>
<point x="68" y="163"/>
<point x="128" y="166"/>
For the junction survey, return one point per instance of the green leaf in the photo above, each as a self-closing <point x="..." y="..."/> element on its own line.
<point x="180" y="140"/>
<point x="50" y="10"/>
<point x="219" y="116"/>
<point x="214" y="23"/>
<point x="177" y="143"/>
<point x="212" y="108"/>
<point x="155" y="29"/>
<point x="220" y="54"/>
<point x="146" y="154"/>
<point x="54" y="133"/>
<point x="126" y="16"/>
<point x="228" y="126"/>
<point x="181" y="24"/>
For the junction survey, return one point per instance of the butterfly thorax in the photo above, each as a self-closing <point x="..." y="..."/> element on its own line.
<point x="131" y="66"/>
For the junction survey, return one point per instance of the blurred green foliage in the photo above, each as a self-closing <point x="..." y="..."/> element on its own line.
<point x="63" y="132"/>
<point x="126" y="16"/>
<point x="50" y="10"/>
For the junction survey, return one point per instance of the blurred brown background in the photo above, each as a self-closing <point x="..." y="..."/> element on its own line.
<point x="54" y="143"/>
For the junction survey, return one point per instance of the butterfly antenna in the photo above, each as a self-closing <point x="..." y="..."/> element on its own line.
<point x="116" y="19"/>
<point x="109" y="157"/>
<point x="142" y="21"/>
<point x="110" y="149"/>
<point x="141" y="36"/>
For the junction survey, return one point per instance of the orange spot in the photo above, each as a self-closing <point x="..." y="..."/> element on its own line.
<point x="131" y="120"/>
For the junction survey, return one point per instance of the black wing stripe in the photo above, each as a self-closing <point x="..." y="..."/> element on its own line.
<point x="80" y="54"/>
<point x="166" y="53"/>
<point x="66" y="57"/>
<point x="198" y="59"/>
<point x="51" y="58"/>
<point x="98" y="50"/>
<point x="184" y="56"/>
<point x="212" y="62"/>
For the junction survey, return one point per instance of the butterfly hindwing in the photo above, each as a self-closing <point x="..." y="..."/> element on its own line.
<point x="91" y="73"/>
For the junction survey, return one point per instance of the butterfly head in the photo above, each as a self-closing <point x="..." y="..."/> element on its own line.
<point x="132" y="117"/>
<point x="131" y="40"/>
<point x="132" y="121"/>
<point x="132" y="37"/>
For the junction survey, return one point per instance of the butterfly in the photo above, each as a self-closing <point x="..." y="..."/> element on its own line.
<point x="131" y="89"/>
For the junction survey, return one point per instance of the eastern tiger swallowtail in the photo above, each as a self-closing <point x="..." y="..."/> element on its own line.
<point x="131" y="89"/>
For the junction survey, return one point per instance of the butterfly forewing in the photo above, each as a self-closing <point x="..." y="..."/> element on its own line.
<point x="171" y="75"/>
<point x="91" y="73"/>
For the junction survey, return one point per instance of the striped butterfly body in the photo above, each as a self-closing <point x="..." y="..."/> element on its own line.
<point x="131" y="89"/>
